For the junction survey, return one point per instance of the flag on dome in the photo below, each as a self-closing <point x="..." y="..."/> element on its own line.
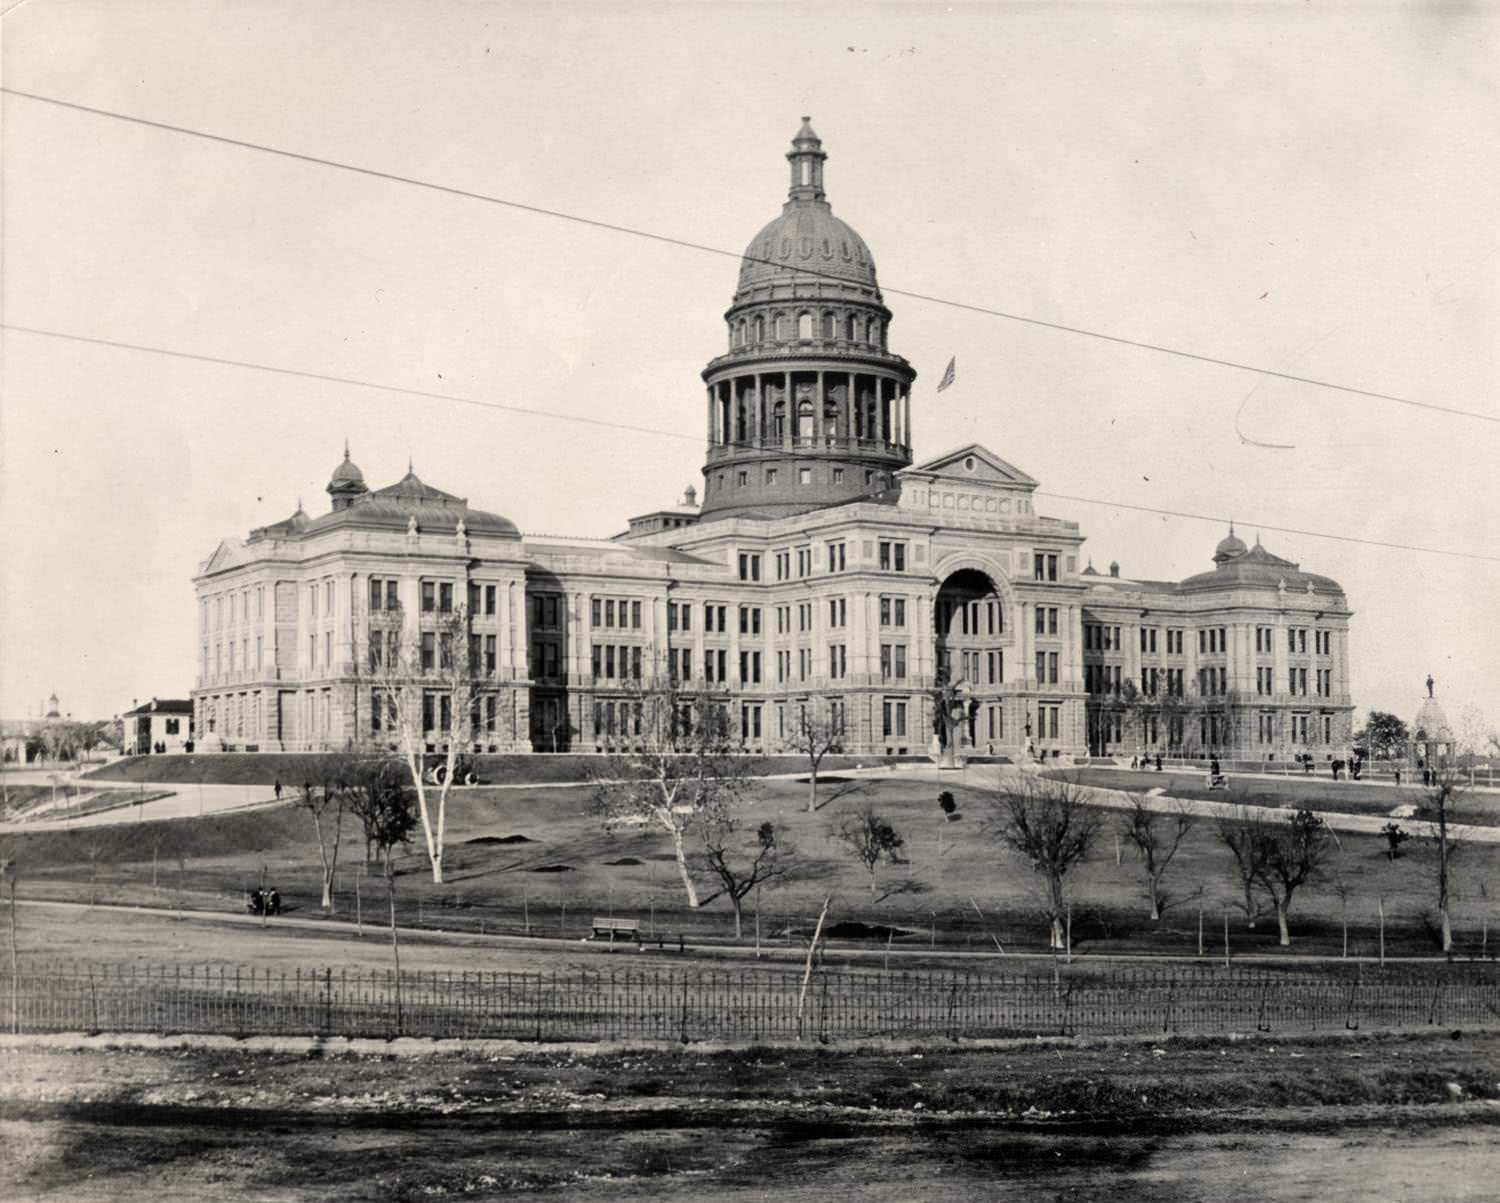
<point x="948" y="373"/>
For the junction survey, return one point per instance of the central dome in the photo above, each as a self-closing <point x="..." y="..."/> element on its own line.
<point x="807" y="237"/>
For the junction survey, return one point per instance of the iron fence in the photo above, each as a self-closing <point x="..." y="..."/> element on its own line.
<point x="741" y="1005"/>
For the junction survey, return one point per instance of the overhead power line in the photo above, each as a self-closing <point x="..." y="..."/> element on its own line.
<point x="669" y="240"/>
<point x="354" y="382"/>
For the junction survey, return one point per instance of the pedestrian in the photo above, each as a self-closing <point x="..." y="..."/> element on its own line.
<point x="273" y="902"/>
<point x="278" y="789"/>
<point x="1398" y="774"/>
<point x="1158" y="762"/>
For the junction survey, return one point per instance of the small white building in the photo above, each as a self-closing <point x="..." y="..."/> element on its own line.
<point x="162" y="724"/>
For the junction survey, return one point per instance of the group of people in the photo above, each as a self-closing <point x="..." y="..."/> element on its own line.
<point x="263" y="902"/>
<point x="1354" y="767"/>
<point x="1144" y="762"/>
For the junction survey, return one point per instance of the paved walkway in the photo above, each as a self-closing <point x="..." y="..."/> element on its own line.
<point x="1166" y="803"/>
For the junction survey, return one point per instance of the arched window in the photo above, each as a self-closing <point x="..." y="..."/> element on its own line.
<point x="742" y="332"/>
<point x="782" y="326"/>
<point x="849" y="327"/>
<point x="805" y="420"/>
<point x="828" y="325"/>
<point x="760" y="329"/>
<point x="875" y="332"/>
<point x="804" y="325"/>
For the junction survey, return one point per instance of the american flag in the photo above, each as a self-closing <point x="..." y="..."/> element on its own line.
<point x="948" y="373"/>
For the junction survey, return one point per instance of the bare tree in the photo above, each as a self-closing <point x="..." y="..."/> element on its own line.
<point x="1047" y="822"/>
<point x="1240" y="833"/>
<point x="1296" y="852"/>
<point x="679" y="762"/>
<point x="742" y="865"/>
<point x="427" y="687"/>
<point x="1438" y="800"/>
<point x="819" y="730"/>
<point x="1157" y="837"/>
<point x="325" y="795"/>
<point x="869" y="838"/>
<point x="382" y="801"/>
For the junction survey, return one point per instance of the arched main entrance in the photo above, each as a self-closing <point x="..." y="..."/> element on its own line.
<point x="969" y="652"/>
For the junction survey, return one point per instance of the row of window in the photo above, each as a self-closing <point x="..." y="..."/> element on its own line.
<point x="603" y="612"/>
<point x="783" y="327"/>
<point x="231" y="609"/>
<point x="873" y="479"/>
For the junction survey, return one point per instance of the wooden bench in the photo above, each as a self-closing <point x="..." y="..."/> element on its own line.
<point x="617" y="927"/>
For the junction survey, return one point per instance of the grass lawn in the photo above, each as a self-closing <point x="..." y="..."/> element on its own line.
<point x="540" y="859"/>
<point x="266" y="768"/>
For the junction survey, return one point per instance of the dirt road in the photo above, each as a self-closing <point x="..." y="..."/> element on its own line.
<point x="1394" y="1118"/>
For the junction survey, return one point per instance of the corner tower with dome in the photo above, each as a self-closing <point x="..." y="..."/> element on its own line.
<point x="822" y="572"/>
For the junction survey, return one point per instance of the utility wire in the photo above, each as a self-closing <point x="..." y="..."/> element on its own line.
<point x="713" y="250"/>
<point x="354" y="382"/>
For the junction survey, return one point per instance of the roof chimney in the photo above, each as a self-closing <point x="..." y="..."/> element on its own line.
<point x="1114" y="568"/>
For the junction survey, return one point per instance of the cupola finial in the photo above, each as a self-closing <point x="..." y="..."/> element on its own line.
<point x="806" y="157"/>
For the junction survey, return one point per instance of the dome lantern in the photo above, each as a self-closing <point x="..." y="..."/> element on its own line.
<point x="347" y="483"/>
<point x="806" y="157"/>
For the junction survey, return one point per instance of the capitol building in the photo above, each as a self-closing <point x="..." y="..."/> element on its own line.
<point x="820" y="568"/>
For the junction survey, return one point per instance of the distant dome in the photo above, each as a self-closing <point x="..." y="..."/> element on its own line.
<point x="52" y="707"/>
<point x="1229" y="547"/>
<point x="347" y="473"/>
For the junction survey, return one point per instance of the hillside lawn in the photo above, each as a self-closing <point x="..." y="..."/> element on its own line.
<point x="290" y="768"/>
<point x="956" y="891"/>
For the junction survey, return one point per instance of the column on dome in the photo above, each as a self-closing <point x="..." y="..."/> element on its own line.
<point x="846" y="416"/>
<point x="789" y="411"/>
<point x="758" y="432"/>
<point x="906" y="419"/>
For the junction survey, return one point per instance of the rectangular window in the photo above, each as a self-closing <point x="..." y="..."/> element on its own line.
<point x="489" y="600"/>
<point x="836" y="557"/>
<point x="429" y="596"/>
<point x="445" y="597"/>
<point x="491" y="659"/>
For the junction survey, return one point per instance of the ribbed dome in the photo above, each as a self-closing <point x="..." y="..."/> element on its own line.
<point x="807" y="235"/>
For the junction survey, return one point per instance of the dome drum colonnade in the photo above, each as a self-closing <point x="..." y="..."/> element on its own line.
<point x="807" y="407"/>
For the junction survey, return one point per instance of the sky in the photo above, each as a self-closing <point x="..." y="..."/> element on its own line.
<point x="1299" y="187"/>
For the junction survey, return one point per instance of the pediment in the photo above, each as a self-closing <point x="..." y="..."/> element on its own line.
<point x="225" y="555"/>
<point x="973" y="464"/>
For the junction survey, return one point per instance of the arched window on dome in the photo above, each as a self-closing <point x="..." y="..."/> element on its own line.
<point x="875" y="333"/>
<point x="778" y="421"/>
<point x="741" y="332"/>
<point x="806" y="421"/>
<point x="804" y="325"/>
<point x="851" y="324"/>
<point x="760" y="329"/>
<point x="828" y="324"/>
<point x="783" y="327"/>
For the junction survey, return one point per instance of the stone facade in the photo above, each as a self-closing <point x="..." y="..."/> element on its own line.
<point x="823" y="569"/>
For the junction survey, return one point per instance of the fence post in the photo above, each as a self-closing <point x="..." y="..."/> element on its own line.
<point x="327" y="1000"/>
<point x="684" y="1008"/>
